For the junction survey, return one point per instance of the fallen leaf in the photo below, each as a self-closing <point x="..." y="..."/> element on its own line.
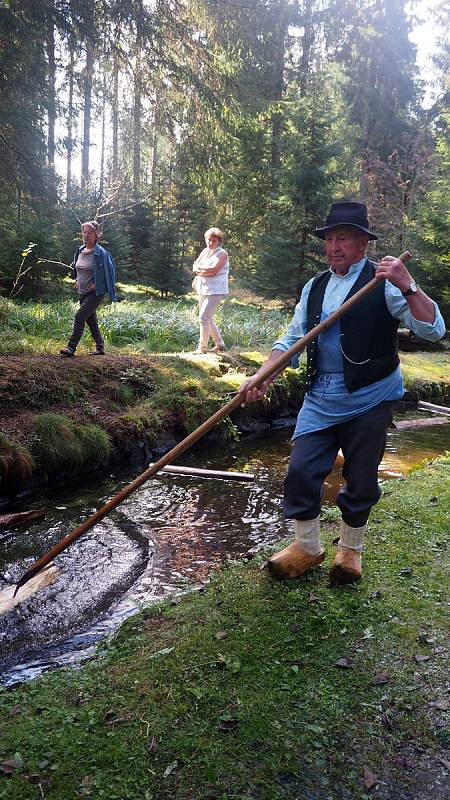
<point x="386" y="720"/>
<point x="343" y="663"/>
<point x="406" y="572"/>
<point x="32" y="777"/>
<point x="153" y="746"/>
<point x="439" y="649"/>
<point x="19" y="518"/>
<point x="162" y="652"/>
<point x="227" y="725"/>
<point x="313" y="598"/>
<point x="442" y="703"/>
<point x="17" y="709"/>
<point x="420" y="658"/>
<point x="424" y="639"/>
<point x="198" y="693"/>
<point x="379" y="678"/>
<point x="445" y="762"/>
<point x="86" y="786"/>
<point x="221" y="635"/>
<point x="370" y="779"/>
<point x="171" y="768"/>
<point x="9" y="766"/>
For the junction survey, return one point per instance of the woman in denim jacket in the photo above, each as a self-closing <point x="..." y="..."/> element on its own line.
<point x="94" y="271"/>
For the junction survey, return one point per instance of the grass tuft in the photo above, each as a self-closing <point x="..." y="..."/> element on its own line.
<point x="58" y="443"/>
<point x="16" y="462"/>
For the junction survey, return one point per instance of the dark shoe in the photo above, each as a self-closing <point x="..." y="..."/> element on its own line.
<point x="67" y="351"/>
<point x="346" y="567"/>
<point x="97" y="352"/>
<point x="293" y="561"/>
<point x="219" y="348"/>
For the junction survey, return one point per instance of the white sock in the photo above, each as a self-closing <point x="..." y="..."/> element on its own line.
<point x="352" y="538"/>
<point x="307" y="535"/>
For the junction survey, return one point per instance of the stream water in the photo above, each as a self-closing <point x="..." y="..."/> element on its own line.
<point x="164" y="539"/>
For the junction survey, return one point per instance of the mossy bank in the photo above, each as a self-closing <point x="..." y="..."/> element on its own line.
<point x="261" y="689"/>
<point x="60" y="417"/>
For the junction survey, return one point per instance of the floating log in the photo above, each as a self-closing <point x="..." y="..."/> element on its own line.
<point x="46" y="576"/>
<point x="433" y="407"/>
<point x="207" y="473"/>
<point x="401" y="425"/>
<point x="6" y="520"/>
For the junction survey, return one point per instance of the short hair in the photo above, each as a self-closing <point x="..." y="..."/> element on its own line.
<point x="214" y="232"/>
<point x="95" y="227"/>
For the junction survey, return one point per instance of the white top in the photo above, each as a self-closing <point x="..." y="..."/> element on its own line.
<point x="212" y="284"/>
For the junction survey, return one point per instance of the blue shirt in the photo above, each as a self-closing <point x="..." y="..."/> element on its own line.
<point x="329" y="401"/>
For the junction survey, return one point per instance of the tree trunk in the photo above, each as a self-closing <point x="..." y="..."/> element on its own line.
<point x="307" y="43"/>
<point x="102" y="153"/>
<point x="276" y="93"/>
<point x="155" y="145"/>
<point x="69" y="145"/>
<point x="137" y="128"/>
<point x="301" y="262"/>
<point x="51" y="70"/>
<point x="137" y="109"/>
<point x="115" y="118"/>
<point x="88" y="72"/>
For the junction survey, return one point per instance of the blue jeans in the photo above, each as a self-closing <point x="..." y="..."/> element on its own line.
<point x="86" y="314"/>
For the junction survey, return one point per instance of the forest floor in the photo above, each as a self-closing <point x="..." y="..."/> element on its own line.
<point x="255" y="689"/>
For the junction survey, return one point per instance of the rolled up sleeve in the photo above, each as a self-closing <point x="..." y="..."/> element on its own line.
<point x="399" y="308"/>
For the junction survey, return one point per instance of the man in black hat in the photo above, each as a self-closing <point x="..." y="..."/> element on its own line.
<point x="353" y="381"/>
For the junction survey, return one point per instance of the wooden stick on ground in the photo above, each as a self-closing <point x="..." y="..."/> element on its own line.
<point x="265" y="373"/>
<point x="433" y="407"/>
<point x="208" y="473"/>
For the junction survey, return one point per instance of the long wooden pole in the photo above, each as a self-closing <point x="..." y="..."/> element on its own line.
<point x="264" y="373"/>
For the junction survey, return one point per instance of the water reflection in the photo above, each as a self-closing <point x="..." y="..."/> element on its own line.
<point x="163" y="539"/>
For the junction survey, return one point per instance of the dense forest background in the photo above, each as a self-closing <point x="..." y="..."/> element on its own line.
<point x="252" y="115"/>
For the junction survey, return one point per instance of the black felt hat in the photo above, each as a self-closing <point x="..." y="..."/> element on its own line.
<point x="347" y="213"/>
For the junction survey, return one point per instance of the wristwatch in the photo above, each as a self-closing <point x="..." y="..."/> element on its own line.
<point x="412" y="289"/>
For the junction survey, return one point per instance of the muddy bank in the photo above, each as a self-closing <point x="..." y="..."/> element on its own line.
<point x="134" y="409"/>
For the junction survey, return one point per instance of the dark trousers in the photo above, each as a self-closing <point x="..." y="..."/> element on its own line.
<point x="362" y="441"/>
<point x="86" y="314"/>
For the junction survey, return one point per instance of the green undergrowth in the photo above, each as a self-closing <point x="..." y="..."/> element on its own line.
<point x="58" y="443"/>
<point x="138" y="326"/>
<point x="426" y="375"/>
<point x="16" y="463"/>
<point x="261" y="689"/>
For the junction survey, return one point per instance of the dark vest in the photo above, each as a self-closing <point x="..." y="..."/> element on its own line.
<point x="368" y="333"/>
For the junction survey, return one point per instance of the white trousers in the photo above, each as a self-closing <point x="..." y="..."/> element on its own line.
<point x="207" y="306"/>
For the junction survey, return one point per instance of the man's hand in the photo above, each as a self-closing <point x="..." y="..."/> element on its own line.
<point x="394" y="271"/>
<point x="253" y="393"/>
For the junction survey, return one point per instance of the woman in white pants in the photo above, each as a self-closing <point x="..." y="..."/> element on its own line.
<point x="211" y="284"/>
